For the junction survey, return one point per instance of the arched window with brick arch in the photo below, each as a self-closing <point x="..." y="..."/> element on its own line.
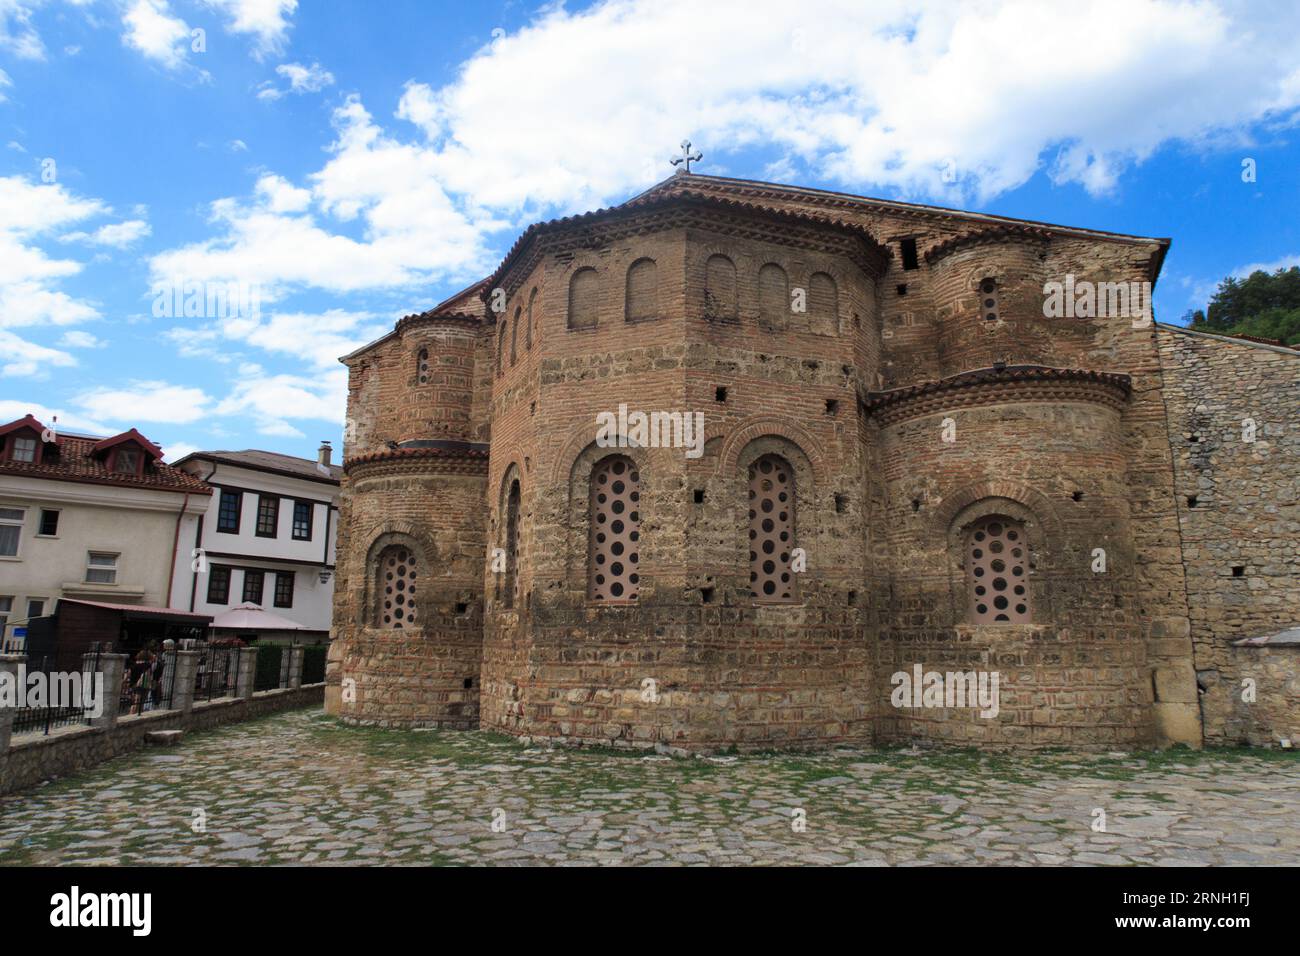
<point x="583" y="289"/>
<point x="997" y="566"/>
<point x="507" y="583"/>
<point x="720" y="301"/>
<point x="642" y="291"/>
<point x="422" y="367"/>
<point x="396" y="605"/>
<point x="771" y="530"/>
<point x="615" y="540"/>
<point x="514" y="337"/>
<point x="528" y="331"/>
<point x="773" y="297"/>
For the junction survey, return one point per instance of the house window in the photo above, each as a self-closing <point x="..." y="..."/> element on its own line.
<point x="24" y="449"/>
<point x="268" y="515"/>
<point x="771" y="530"/>
<point x="302" y="515"/>
<point x="49" y="523"/>
<point x="6" y="608"/>
<point x="615" y="547"/>
<point x="101" y="568"/>
<point x="997" y="561"/>
<point x="284" y="589"/>
<point x="126" y="461"/>
<point x="396" y="588"/>
<point x="11" y="526"/>
<point x="228" y="511"/>
<point x="218" y="585"/>
<point x="253" y="581"/>
<point x="35" y="607"/>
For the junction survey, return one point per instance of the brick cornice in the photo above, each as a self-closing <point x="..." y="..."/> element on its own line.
<point x="417" y="461"/>
<point x="992" y="386"/>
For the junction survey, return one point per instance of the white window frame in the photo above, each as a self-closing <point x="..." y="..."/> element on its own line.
<point x="14" y="523"/>
<point x="5" y="612"/>
<point x="26" y="461"/>
<point x="40" y="519"/>
<point x="92" y="566"/>
<point x="44" y="602"/>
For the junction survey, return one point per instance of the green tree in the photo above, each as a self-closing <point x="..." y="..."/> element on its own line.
<point x="1265" y="305"/>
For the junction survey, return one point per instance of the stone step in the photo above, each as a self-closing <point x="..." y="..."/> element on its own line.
<point x="164" y="738"/>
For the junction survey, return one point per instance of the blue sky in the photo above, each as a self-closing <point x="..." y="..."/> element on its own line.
<point x="346" y="163"/>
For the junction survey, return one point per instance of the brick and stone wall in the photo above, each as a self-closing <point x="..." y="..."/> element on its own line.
<point x="1236" y="447"/>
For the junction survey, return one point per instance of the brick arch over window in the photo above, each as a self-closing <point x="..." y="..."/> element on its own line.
<point x="772" y="530"/>
<point x="614" y="548"/>
<point x="642" y="300"/>
<point x="584" y="287"/>
<point x="773" y="297"/>
<point x="528" y="332"/>
<point x="390" y="540"/>
<point x="730" y="457"/>
<point x="721" y="303"/>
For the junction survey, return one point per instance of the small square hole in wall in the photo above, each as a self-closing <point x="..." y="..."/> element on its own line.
<point x="1191" y="501"/>
<point x="1077" y="496"/>
<point x="832" y="406"/>
<point x="469" y="682"/>
<point x="462" y="608"/>
<point x="841" y="504"/>
<point x="706" y="595"/>
<point x="1193" y="438"/>
<point x="698" y="495"/>
<point x="720" y="393"/>
<point x="853" y="599"/>
<point x="908" y="249"/>
<point x="916" y="504"/>
<point x="902" y="288"/>
<point x="1238" y="570"/>
<point x="532" y="408"/>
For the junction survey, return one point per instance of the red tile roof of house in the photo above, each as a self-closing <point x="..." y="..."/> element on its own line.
<point x="79" y="459"/>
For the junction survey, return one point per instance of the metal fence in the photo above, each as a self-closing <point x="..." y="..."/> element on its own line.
<point x="41" y="720"/>
<point x="217" y="672"/>
<point x="148" y="682"/>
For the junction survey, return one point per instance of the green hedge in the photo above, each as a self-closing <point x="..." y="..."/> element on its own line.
<point x="267" y="676"/>
<point x="313" y="663"/>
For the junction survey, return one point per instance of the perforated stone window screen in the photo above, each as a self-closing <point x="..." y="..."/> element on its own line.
<point x="989" y="299"/>
<point x="615" y="531"/>
<point x="396" y="591"/>
<point x="997" y="572"/>
<point x="422" y="366"/>
<point x="771" y="530"/>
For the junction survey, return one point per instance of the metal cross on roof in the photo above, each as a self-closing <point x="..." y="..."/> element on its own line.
<point x="686" y="156"/>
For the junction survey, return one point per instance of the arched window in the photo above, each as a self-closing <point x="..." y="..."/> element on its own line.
<point x="720" y="289"/>
<point x="997" y="564"/>
<point x="395" y="604"/>
<point x="989" y="299"/>
<point x="506" y="584"/>
<point x="528" y="332"/>
<point x="501" y="345"/>
<point x="615" y="547"/>
<point x="582" y="299"/>
<point x="642" y="291"/>
<point x="771" y="530"/>
<point x="773" y="297"/>
<point x="823" y="304"/>
<point x="514" y="338"/>
<point x="422" y="366"/>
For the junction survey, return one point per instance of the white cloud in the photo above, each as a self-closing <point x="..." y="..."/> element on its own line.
<point x="155" y="32"/>
<point x="118" y="234"/>
<point x="175" y="452"/>
<point x="237" y="146"/>
<point x="21" y="358"/>
<point x="267" y="21"/>
<point x="272" y="400"/>
<point x="302" y="79"/>
<point x="6" y="82"/>
<point x="77" y="339"/>
<point x="146" y="401"/>
<point x="281" y="196"/>
<point x="17" y="36"/>
<point x="12" y="409"/>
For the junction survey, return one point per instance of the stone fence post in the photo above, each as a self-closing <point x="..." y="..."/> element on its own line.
<point x="9" y="675"/>
<point x="246" y="673"/>
<point x="187" y="667"/>
<point x="296" y="654"/>
<point x="284" y="667"/>
<point x="112" y="666"/>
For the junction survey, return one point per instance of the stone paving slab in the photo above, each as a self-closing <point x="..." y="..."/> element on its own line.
<point x="301" y="788"/>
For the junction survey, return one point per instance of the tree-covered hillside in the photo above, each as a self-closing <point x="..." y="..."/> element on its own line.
<point x="1266" y="305"/>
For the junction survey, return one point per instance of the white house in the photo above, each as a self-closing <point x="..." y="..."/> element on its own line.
<point x="99" y="519"/>
<point x="267" y="537"/>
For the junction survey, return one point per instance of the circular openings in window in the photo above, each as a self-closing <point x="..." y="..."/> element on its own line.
<point x="989" y="299"/>
<point x="615" y="531"/>
<point x="771" y="527"/>
<point x="398" y="575"/>
<point x="996" y="571"/>
<point x="423" y="366"/>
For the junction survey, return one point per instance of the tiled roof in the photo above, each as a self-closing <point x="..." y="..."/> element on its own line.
<point x="271" y="461"/>
<point x="76" y="461"/>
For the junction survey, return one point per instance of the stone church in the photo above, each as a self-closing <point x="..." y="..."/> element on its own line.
<point x="933" y="442"/>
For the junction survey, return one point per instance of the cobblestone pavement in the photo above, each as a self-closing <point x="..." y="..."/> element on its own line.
<point x="300" y="788"/>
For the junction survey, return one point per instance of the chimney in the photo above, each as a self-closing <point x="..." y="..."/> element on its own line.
<point x="323" y="453"/>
